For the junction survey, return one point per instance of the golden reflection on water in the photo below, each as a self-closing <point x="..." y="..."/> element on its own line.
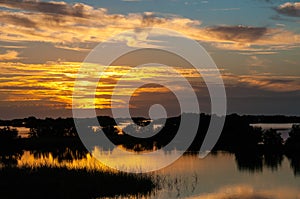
<point x="88" y="162"/>
<point x="214" y="177"/>
<point x="242" y="191"/>
<point x="136" y="162"/>
<point x="99" y="160"/>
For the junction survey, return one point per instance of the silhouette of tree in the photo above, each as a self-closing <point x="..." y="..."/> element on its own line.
<point x="294" y="134"/>
<point x="272" y="139"/>
<point x="292" y="144"/>
<point x="237" y="134"/>
<point x="51" y="127"/>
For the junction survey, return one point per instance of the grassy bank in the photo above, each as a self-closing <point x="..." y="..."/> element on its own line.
<point x="49" y="182"/>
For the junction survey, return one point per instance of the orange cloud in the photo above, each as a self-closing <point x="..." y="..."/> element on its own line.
<point x="9" y="55"/>
<point x="53" y="82"/>
<point x="65" y="24"/>
<point x="35" y="82"/>
<point x="69" y="25"/>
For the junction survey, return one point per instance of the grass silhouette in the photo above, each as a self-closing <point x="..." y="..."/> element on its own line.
<point x="58" y="182"/>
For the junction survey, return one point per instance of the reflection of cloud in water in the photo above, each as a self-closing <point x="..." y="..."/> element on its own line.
<point x="248" y="192"/>
<point x="135" y="162"/>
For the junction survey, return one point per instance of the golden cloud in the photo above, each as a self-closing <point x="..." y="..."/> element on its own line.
<point x="35" y="82"/>
<point x="9" y="55"/>
<point x="69" y="25"/>
<point x="54" y="82"/>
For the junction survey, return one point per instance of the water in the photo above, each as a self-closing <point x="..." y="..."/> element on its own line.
<point x="273" y="125"/>
<point x="23" y="132"/>
<point x="218" y="176"/>
<point x="282" y="128"/>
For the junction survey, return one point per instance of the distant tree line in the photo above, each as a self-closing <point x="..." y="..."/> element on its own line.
<point x="237" y="133"/>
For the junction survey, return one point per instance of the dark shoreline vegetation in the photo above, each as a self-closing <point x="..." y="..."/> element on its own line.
<point x="237" y="134"/>
<point x="253" y="148"/>
<point x="53" y="182"/>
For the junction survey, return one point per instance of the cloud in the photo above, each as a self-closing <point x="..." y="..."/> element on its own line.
<point x="50" y="82"/>
<point x="69" y="26"/>
<point x="248" y="38"/>
<point x="76" y="26"/>
<point x="289" y="9"/>
<point x="54" y="81"/>
<point x="264" y="82"/>
<point x="9" y="55"/>
<point x="259" y="53"/>
<point x="60" y="8"/>
<point x="256" y="61"/>
<point x="238" y="33"/>
<point x="17" y="19"/>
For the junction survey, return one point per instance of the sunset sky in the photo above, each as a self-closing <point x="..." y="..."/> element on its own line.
<point x="254" y="43"/>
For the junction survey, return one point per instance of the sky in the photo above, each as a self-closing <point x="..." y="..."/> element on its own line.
<point x="254" y="43"/>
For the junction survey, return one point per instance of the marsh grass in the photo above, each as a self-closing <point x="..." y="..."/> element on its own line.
<point x="54" y="182"/>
